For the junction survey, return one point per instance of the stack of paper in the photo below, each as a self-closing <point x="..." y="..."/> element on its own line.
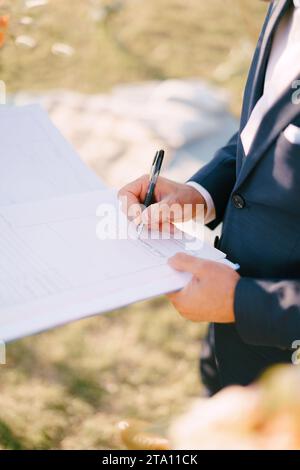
<point x="53" y="267"/>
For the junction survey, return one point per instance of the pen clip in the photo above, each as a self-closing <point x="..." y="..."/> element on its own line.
<point x="157" y="166"/>
<point x="153" y="166"/>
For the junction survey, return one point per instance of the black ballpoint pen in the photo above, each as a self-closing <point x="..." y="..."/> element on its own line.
<point x="154" y="174"/>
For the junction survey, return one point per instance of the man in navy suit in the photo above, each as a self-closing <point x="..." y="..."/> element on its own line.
<point x="252" y="185"/>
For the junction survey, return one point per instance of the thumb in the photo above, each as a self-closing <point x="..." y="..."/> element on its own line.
<point x="187" y="263"/>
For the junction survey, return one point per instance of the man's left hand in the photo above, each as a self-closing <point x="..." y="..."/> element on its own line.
<point x="209" y="296"/>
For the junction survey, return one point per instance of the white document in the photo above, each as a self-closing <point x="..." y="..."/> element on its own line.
<point x="55" y="270"/>
<point x="36" y="162"/>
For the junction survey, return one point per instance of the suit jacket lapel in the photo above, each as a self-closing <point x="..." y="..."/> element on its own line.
<point x="247" y="106"/>
<point x="264" y="51"/>
<point x="279" y="116"/>
<point x="255" y="82"/>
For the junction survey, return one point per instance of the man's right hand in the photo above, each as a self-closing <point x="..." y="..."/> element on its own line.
<point x="173" y="202"/>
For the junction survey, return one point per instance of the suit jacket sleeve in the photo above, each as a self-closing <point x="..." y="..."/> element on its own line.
<point x="218" y="177"/>
<point x="267" y="312"/>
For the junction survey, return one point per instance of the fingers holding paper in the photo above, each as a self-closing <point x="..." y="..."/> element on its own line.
<point x="209" y="296"/>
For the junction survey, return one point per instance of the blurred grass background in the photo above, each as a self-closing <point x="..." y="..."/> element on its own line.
<point x="67" y="388"/>
<point x="119" y="41"/>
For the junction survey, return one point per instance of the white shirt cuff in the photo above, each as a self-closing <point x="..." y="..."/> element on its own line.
<point x="210" y="206"/>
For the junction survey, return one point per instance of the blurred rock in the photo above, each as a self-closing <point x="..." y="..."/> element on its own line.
<point x="29" y="4"/>
<point x="118" y="133"/>
<point x="25" y="41"/>
<point x="62" y="49"/>
<point x="26" y="20"/>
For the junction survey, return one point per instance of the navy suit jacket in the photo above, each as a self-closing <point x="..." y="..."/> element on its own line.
<point x="258" y="200"/>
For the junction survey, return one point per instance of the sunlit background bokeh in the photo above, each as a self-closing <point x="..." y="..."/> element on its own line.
<point x="69" y="387"/>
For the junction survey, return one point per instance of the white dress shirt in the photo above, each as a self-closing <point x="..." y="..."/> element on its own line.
<point x="283" y="66"/>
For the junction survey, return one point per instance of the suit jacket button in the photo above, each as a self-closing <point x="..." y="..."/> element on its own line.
<point x="238" y="201"/>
